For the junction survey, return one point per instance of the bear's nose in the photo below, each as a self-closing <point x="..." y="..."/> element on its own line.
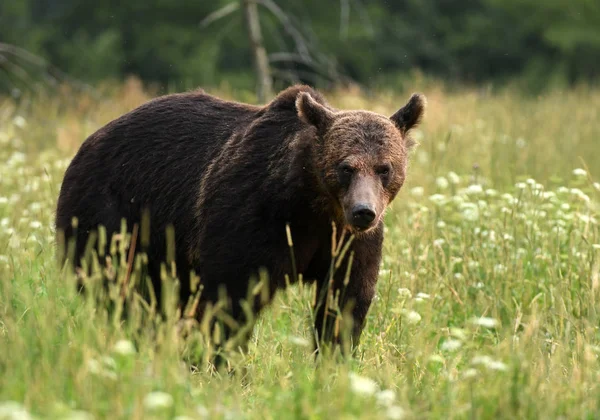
<point x="362" y="216"/>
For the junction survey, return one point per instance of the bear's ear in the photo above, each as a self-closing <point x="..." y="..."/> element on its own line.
<point x="410" y="115"/>
<point x="312" y="112"/>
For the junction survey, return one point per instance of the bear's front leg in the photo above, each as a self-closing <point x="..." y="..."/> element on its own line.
<point x="343" y="298"/>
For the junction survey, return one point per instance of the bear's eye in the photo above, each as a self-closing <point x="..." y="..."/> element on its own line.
<point x="346" y="169"/>
<point x="383" y="170"/>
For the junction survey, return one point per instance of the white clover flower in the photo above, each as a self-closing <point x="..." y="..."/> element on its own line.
<point x="124" y="348"/>
<point x="579" y="172"/>
<point x="417" y="191"/>
<point x="453" y="178"/>
<point x="395" y="413"/>
<point x="386" y="397"/>
<point x="158" y="400"/>
<point x="485" y="322"/>
<point x="404" y="293"/>
<point x="12" y="410"/>
<point x="441" y="182"/>
<point x="412" y="317"/>
<point x="362" y="385"/>
<point x="451" y="344"/>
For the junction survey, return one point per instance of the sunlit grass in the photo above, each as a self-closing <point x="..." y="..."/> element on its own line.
<point x="487" y="304"/>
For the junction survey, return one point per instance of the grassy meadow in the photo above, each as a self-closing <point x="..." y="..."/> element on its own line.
<point x="487" y="306"/>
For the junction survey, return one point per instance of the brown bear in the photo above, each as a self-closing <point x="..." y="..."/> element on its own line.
<point x="238" y="184"/>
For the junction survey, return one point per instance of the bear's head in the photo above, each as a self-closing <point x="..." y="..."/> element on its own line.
<point x="360" y="157"/>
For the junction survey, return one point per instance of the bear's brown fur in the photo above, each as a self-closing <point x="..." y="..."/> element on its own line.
<point x="229" y="178"/>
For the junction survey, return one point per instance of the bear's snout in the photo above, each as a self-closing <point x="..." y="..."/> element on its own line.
<point x="363" y="216"/>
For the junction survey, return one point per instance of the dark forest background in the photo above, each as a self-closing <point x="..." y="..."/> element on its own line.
<point x="534" y="44"/>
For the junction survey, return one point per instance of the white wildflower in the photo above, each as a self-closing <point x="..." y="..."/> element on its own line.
<point x="437" y="198"/>
<point x="458" y="333"/>
<point x="386" y="397"/>
<point x="412" y="317"/>
<point x="422" y="295"/>
<point x="470" y="212"/>
<point x="14" y="242"/>
<point x="497" y="365"/>
<point x="453" y="178"/>
<point x="485" y="322"/>
<point x="124" y="348"/>
<point x="439" y="242"/>
<point x="78" y="415"/>
<point x="158" y="400"/>
<point x="596" y="246"/>
<point x="3" y="200"/>
<point x="202" y="411"/>
<point x="395" y="413"/>
<point x="470" y="373"/>
<point x="451" y="344"/>
<point x="436" y="358"/>
<point x="362" y="386"/>
<point x="481" y="360"/>
<point x="299" y="341"/>
<point x="596" y="185"/>
<point x="441" y="224"/>
<point x="19" y="121"/>
<point x="34" y="224"/>
<point x="474" y="189"/>
<point x="12" y="410"/>
<point x="417" y="191"/>
<point x="491" y="192"/>
<point x="521" y="185"/>
<point x="579" y="172"/>
<point x="441" y="182"/>
<point x="404" y="293"/>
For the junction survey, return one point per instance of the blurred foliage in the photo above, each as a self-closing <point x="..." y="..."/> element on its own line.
<point x="532" y="43"/>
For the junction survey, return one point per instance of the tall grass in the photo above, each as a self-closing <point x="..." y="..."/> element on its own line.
<point x="487" y="304"/>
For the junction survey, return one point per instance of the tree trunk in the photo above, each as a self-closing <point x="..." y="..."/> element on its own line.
<point x="261" y="62"/>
